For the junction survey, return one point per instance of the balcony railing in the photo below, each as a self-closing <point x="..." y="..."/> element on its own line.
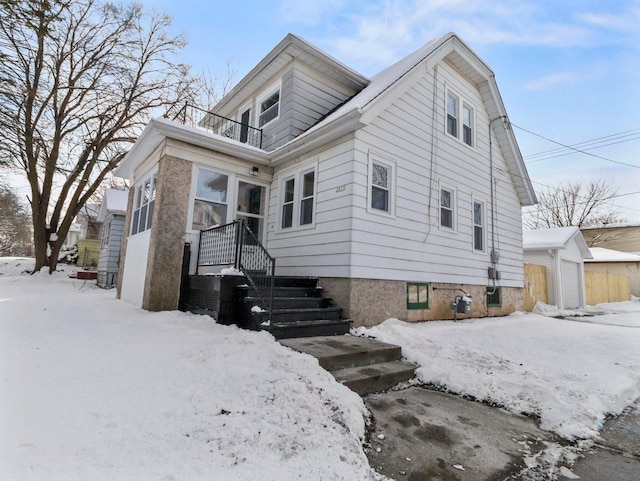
<point x="197" y="117"/>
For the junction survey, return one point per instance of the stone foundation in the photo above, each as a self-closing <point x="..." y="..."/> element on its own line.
<point x="368" y="302"/>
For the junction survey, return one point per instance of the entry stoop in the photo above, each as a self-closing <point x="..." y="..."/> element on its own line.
<point x="362" y="364"/>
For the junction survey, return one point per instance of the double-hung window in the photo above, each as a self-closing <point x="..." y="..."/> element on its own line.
<point x="452" y="114"/>
<point x="298" y="199"/>
<point x="210" y="204"/>
<point x="104" y="237"/>
<point x="447" y="202"/>
<point x="144" y="202"/>
<point x="381" y="187"/>
<point x="269" y="107"/>
<point x="460" y="114"/>
<point x="478" y="226"/>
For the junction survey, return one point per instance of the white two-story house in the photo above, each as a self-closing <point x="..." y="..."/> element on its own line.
<point x="401" y="193"/>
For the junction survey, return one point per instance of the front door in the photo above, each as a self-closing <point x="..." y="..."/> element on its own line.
<point x="251" y="207"/>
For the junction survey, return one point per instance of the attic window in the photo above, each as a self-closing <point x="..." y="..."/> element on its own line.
<point x="460" y="113"/>
<point x="270" y="108"/>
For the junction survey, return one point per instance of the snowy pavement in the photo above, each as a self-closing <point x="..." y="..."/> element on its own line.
<point x="93" y="388"/>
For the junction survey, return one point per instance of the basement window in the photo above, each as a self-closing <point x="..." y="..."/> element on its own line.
<point x="417" y="295"/>
<point x="494" y="299"/>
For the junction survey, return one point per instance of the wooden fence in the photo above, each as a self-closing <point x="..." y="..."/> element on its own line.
<point x="606" y="287"/>
<point x="535" y="285"/>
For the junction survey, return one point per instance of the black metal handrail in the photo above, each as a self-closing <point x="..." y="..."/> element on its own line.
<point x="197" y="117"/>
<point x="235" y="244"/>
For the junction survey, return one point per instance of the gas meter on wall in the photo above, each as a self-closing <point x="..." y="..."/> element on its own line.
<point x="461" y="304"/>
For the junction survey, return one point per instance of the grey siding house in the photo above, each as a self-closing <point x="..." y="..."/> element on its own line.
<point x="112" y="215"/>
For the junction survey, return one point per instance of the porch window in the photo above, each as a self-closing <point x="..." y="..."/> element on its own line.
<point x="210" y="205"/>
<point x="446" y="208"/>
<point x="452" y="114"/>
<point x="417" y="295"/>
<point x="478" y="226"/>
<point x="467" y="125"/>
<point x="306" y="201"/>
<point x="144" y="202"/>
<point x="270" y="108"/>
<point x="287" y="204"/>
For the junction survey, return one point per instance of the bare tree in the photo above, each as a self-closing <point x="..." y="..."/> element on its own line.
<point x="15" y="222"/>
<point x="574" y="204"/>
<point x="78" y="82"/>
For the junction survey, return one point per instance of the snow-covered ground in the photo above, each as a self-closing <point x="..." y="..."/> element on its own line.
<point x="569" y="372"/>
<point x="94" y="389"/>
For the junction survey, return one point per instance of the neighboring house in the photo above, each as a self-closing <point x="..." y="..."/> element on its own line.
<point x="112" y="216"/>
<point x="562" y="250"/>
<point x="89" y="237"/>
<point x="619" y="237"/>
<point x="616" y="262"/>
<point x="398" y="192"/>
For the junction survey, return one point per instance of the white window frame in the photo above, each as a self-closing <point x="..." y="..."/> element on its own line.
<point x="298" y="185"/>
<point x="104" y="235"/>
<point x="483" y="206"/>
<point x="454" y="202"/>
<point x="461" y="104"/>
<point x="194" y="192"/>
<point x="391" y="166"/>
<point x="147" y="208"/>
<point x="277" y="87"/>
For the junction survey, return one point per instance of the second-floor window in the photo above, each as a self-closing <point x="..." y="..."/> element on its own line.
<point x="452" y="114"/>
<point x="269" y="107"/>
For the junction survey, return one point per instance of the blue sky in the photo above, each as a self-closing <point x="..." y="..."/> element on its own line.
<point x="567" y="70"/>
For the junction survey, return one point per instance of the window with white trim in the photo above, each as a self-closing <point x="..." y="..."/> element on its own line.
<point x="381" y="185"/>
<point x="297" y="204"/>
<point x="447" y="205"/>
<point x="478" y="226"/>
<point x="210" y="203"/>
<point x="269" y="107"/>
<point x="104" y="237"/>
<point x="460" y="113"/>
<point x="144" y="202"/>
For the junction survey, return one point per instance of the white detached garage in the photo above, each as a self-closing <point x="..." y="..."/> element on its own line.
<point x="562" y="250"/>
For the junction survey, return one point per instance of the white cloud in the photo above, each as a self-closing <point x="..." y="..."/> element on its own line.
<point x="385" y="29"/>
<point x="551" y="81"/>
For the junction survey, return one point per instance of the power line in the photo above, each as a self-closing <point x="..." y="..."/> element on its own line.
<point x="575" y="149"/>
<point x="591" y="144"/>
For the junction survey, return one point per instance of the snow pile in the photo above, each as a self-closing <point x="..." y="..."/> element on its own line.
<point x="93" y="388"/>
<point x="552" y="311"/>
<point x="571" y="374"/>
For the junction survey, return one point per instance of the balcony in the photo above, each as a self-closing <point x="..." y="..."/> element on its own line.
<point x="197" y="117"/>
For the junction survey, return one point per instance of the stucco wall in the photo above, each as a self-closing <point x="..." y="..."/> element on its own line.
<point x="163" y="273"/>
<point x="368" y="302"/>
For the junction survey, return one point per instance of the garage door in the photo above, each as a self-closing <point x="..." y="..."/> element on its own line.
<point x="570" y="284"/>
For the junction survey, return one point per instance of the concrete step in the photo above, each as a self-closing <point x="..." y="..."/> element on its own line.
<point x="375" y="377"/>
<point x="306" y="329"/>
<point x="346" y="351"/>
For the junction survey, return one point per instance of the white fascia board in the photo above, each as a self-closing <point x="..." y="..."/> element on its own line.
<point x="159" y="129"/>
